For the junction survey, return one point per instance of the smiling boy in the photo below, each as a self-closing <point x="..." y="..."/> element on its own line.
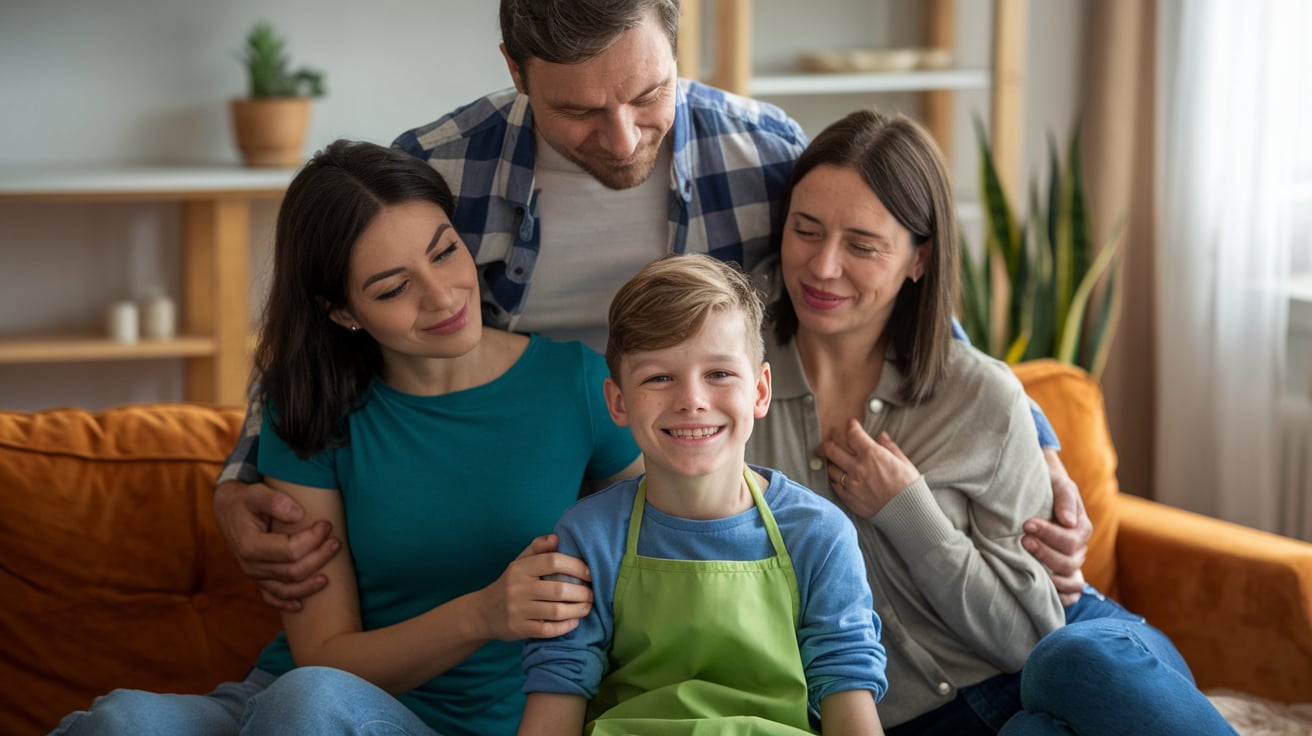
<point x="723" y="593"/>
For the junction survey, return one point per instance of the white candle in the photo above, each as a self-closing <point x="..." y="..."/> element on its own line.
<point x="121" y="322"/>
<point x="158" y="319"/>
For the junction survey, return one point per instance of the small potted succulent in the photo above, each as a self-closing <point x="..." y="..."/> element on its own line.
<point x="270" y="123"/>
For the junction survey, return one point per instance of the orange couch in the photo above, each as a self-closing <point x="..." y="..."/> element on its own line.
<point x="112" y="570"/>
<point x="113" y="574"/>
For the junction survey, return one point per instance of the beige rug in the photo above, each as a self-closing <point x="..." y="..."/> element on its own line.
<point x="1254" y="716"/>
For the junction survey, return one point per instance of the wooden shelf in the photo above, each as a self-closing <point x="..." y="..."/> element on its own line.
<point x="215" y="241"/>
<point x="88" y="348"/>
<point x="828" y="84"/>
<point x="139" y="183"/>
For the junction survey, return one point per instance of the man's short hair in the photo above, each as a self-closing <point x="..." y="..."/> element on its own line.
<point x="573" y="31"/>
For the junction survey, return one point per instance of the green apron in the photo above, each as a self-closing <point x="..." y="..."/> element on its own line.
<point x="708" y="647"/>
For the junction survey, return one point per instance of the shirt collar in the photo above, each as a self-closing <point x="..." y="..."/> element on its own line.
<point x="788" y="379"/>
<point x="681" y="135"/>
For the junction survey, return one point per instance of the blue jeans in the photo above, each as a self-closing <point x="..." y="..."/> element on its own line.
<point x="1105" y="672"/>
<point x="306" y="700"/>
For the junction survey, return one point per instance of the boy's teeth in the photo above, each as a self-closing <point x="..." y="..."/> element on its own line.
<point x="694" y="434"/>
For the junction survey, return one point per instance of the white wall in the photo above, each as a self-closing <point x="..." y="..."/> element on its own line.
<point x="149" y="80"/>
<point x="131" y="81"/>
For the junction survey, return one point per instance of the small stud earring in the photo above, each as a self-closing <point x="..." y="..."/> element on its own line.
<point x="355" y="328"/>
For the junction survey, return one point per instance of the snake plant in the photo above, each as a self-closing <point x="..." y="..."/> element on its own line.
<point x="1042" y="272"/>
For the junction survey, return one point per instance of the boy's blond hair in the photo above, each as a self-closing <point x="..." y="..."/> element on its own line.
<point x="668" y="301"/>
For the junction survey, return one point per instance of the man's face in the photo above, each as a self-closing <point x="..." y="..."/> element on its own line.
<point x="608" y="114"/>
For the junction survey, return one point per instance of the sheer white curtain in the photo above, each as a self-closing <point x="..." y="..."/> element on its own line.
<point x="1233" y="79"/>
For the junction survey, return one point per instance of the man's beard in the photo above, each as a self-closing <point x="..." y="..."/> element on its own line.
<point x="625" y="177"/>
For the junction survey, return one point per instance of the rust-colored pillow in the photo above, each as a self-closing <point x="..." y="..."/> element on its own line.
<point x="113" y="571"/>
<point x="1073" y="402"/>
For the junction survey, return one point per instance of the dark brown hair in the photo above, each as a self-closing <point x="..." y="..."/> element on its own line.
<point x="573" y="31"/>
<point x="311" y="371"/>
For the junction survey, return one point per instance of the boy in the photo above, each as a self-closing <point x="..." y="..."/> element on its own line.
<point x="728" y="599"/>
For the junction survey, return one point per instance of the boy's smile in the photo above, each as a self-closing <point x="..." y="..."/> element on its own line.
<point x="691" y="406"/>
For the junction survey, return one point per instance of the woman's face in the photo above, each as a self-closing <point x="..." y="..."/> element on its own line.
<point x="844" y="255"/>
<point x="413" y="285"/>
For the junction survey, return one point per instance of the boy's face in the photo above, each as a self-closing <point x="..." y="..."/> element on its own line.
<point x="691" y="406"/>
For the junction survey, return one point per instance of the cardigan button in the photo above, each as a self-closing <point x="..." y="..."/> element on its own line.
<point x="875" y="406"/>
<point x="816" y="463"/>
<point x="944" y="688"/>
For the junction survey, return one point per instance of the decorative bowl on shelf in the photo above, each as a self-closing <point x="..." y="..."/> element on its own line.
<point x="935" y="58"/>
<point x="875" y="60"/>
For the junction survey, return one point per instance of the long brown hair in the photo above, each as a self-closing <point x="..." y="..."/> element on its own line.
<point x="311" y="371"/>
<point x="903" y="167"/>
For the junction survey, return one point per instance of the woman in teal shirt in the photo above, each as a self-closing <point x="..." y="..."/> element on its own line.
<point x="437" y="449"/>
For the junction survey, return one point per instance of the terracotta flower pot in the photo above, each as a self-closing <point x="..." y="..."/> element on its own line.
<point x="271" y="131"/>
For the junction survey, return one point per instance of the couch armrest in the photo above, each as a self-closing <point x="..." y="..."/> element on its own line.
<point x="1237" y="602"/>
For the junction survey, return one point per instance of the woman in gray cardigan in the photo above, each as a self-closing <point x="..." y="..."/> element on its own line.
<point x="930" y="448"/>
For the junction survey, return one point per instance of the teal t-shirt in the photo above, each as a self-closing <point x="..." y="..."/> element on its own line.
<point x="442" y="492"/>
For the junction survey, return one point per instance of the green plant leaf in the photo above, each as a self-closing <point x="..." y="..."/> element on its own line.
<point x="1042" y="320"/>
<point x="1082" y="241"/>
<point x="1103" y="325"/>
<point x="974" y="296"/>
<point x="1079" y="301"/>
<point x="1103" y="330"/>
<point x="1063" y="260"/>
<point x="1039" y="273"/>
<point x="1016" y="351"/>
<point x="999" y="219"/>
<point x="267" y="67"/>
<point x="1054" y="192"/>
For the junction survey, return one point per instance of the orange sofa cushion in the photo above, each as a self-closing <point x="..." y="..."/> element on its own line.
<point x="1072" y="400"/>
<point x="112" y="567"/>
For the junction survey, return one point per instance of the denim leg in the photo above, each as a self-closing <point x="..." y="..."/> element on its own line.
<point x="1109" y="672"/>
<point x="323" y="700"/>
<point x="1093" y="604"/>
<point x="136" y="712"/>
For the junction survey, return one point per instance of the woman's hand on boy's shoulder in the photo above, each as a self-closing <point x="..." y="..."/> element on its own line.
<point x="523" y="603"/>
